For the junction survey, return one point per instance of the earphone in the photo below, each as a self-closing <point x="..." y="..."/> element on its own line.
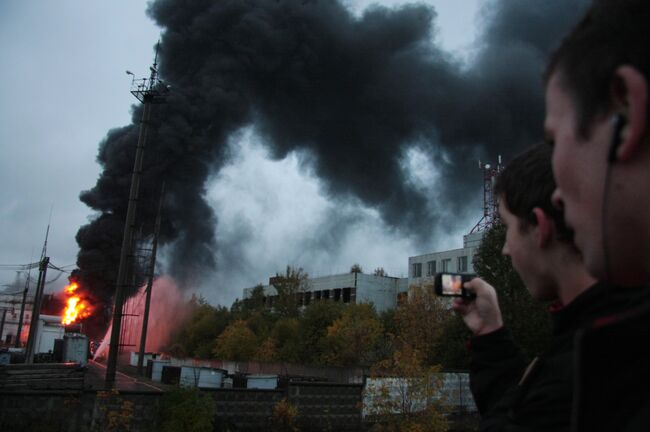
<point x="619" y="121"/>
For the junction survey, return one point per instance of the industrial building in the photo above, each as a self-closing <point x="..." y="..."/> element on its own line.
<point x="423" y="268"/>
<point x="381" y="291"/>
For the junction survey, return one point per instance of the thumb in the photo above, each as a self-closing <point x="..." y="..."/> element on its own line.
<point x="479" y="287"/>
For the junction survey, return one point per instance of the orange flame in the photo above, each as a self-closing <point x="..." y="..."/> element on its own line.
<point x="76" y="307"/>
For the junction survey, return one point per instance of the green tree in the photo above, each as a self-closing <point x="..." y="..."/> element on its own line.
<point x="243" y="309"/>
<point x="288" y="286"/>
<point x="261" y="323"/>
<point x="353" y="338"/>
<point x="356" y="268"/>
<point x="526" y="318"/>
<point x="379" y="271"/>
<point x="452" y="351"/>
<point x="237" y="342"/>
<point x="256" y="301"/>
<point x="313" y="327"/>
<point x="197" y="336"/>
<point x="286" y="334"/>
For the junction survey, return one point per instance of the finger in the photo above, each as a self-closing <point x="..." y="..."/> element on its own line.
<point x="477" y="286"/>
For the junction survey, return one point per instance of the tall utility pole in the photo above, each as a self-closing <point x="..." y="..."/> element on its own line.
<point x="147" y="92"/>
<point x="152" y="266"/>
<point x="38" y="300"/>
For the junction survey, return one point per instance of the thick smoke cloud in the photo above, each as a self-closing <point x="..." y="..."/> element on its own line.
<point x="355" y="92"/>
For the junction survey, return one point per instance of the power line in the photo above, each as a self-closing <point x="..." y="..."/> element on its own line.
<point x="18" y="267"/>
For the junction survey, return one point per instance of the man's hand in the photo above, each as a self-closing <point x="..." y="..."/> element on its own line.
<point x="482" y="314"/>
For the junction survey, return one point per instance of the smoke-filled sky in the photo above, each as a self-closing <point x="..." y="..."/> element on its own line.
<point x="321" y="134"/>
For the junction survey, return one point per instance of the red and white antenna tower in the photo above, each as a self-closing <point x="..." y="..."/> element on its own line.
<point x="490" y="202"/>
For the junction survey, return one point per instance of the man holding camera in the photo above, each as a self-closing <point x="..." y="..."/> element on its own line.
<point x="597" y="94"/>
<point x="510" y="394"/>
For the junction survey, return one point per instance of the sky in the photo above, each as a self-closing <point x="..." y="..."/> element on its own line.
<point x="64" y="86"/>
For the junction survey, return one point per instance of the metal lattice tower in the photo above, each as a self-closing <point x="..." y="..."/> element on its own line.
<point x="490" y="202"/>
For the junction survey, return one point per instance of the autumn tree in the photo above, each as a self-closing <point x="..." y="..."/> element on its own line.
<point x="405" y="394"/>
<point x="267" y="351"/>
<point x="526" y="318"/>
<point x="353" y="338"/>
<point x="237" y="342"/>
<point x="419" y="322"/>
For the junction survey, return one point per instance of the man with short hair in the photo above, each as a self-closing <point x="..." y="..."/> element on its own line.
<point x="509" y="395"/>
<point x="597" y="112"/>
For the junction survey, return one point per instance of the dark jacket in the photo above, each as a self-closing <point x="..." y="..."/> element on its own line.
<point x="514" y="395"/>
<point x="613" y="372"/>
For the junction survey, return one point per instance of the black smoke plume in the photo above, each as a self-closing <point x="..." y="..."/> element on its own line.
<point x="355" y="92"/>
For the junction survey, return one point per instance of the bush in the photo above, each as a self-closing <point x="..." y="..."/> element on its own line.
<point x="284" y="417"/>
<point x="186" y="410"/>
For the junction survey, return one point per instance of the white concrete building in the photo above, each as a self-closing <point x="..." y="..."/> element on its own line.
<point x="423" y="268"/>
<point x="381" y="291"/>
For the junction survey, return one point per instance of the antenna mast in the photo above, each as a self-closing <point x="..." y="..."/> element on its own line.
<point x="490" y="202"/>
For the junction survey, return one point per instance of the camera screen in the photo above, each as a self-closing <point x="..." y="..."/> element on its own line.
<point x="452" y="284"/>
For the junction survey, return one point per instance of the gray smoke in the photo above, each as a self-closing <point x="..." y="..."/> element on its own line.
<point x="355" y="92"/>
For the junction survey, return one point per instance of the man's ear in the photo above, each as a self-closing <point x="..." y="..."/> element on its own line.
<point x="630" y="94"/>
<point x="545" y="229"/>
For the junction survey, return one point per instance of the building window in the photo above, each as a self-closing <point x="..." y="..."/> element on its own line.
<point x="431" y="268"/>
<point x="462" y="264"/>
<point x="446" y="264"/>
<point x="417" y="270"/>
